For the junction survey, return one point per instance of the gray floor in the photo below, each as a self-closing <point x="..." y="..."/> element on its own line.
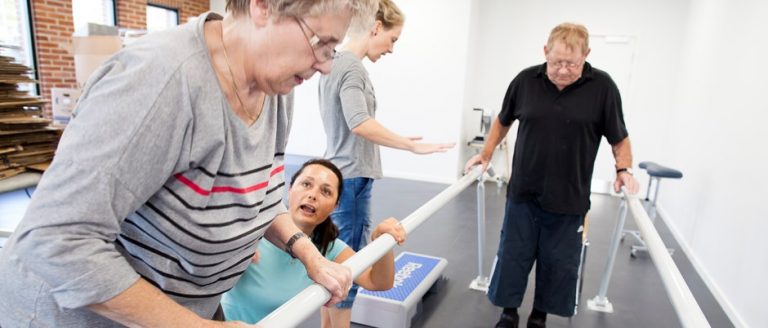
<point x="636" y="291"/>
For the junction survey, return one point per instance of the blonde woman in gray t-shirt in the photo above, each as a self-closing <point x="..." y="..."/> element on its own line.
<point x="348" y="109"/>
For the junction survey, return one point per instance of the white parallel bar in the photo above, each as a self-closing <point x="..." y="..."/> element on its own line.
<point x="301" y="306"/>
<point x="685" y="304"/>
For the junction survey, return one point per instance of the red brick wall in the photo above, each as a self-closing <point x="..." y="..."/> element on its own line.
<point x="132" y="13"/>
<point x="187" y="8"/>
<point x="192" y="8"/>
<point x="53" y="28"/>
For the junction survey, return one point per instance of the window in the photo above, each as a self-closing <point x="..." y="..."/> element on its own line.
<point x="93" y="11"/>
<point x="160" y="18"/>
<point x="16" y="35"/>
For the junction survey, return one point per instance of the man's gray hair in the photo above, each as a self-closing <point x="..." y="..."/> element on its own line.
<point x="363" y="11"/>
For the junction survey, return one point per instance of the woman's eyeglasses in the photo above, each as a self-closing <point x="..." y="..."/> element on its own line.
<point x="323" y="51"/>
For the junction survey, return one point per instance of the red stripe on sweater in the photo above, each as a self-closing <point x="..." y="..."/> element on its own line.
<point x="192" y="185"/>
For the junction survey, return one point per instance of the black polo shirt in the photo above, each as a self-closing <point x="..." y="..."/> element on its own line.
<point x="558" y="136"/>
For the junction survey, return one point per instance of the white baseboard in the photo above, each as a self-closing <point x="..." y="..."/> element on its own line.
<point x="721" y="298"/>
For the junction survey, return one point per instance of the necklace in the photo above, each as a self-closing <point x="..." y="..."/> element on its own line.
<point x="234" y="84"/>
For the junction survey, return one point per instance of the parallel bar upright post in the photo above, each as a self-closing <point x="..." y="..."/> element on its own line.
<point x="600" y="302"/>
<point x="482" y="281"/>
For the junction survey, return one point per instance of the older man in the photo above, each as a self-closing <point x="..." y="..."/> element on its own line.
<point x="564" y="106"/>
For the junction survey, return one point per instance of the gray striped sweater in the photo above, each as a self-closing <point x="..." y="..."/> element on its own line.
<point x="155" y="177"/>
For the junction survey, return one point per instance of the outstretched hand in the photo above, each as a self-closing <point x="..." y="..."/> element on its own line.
<point x="429" y="148"/>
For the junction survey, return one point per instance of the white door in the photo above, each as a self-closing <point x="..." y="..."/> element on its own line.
<point x="614" y="55"/>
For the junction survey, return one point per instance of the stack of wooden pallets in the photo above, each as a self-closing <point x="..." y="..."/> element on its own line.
<point x="26" y="140"/>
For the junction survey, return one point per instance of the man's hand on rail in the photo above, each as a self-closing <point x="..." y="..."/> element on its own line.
<point x="336" y="278"/>
<point x="392" y="227"/>
<point x="475" y="160"/>
<point x="627" y="180"/>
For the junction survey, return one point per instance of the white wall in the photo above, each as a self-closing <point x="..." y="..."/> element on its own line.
<point x="218" y="6"/>
<point x="513" y="34"/>
<point x="419" y="89"/>
<point x="717" y="135"/>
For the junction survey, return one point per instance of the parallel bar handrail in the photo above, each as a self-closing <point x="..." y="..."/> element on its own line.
<point x="301" y="306"/>
<point x="682" y="299"/>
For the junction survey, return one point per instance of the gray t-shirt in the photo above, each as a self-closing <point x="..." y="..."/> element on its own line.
<point x="155" y="177"/>
<point x="347" y="99"/>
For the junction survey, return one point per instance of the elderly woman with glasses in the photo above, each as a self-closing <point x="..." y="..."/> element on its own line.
<point x="348" y="109"/>
<point x="172" y="171"/>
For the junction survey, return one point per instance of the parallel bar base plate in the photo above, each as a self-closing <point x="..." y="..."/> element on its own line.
<point x="600" y="305"/>
<point x="480" y="284"/>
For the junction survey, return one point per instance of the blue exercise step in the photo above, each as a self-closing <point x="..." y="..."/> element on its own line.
<point x="414" y="276"/>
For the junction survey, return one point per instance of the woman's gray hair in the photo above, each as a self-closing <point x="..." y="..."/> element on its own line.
<point x="363" y="11"/>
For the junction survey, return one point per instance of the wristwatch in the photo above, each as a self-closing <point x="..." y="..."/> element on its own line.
<point x="625" y="169"/>
<point x="291" y="241"/>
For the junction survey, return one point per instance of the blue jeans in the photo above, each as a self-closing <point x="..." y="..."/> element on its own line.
<point x="353" y="218"/>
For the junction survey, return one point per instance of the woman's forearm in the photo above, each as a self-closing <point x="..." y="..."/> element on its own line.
<point x="382" y="273"/>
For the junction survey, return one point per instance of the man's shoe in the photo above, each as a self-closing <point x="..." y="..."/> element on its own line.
<point x="536" y="323"/>
<point x="507" y="321"/>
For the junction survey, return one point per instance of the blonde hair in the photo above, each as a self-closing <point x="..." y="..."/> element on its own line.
<point x="574" y="36"/>
<point x="389" y="14"/>
<point x="362" y="10"/>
